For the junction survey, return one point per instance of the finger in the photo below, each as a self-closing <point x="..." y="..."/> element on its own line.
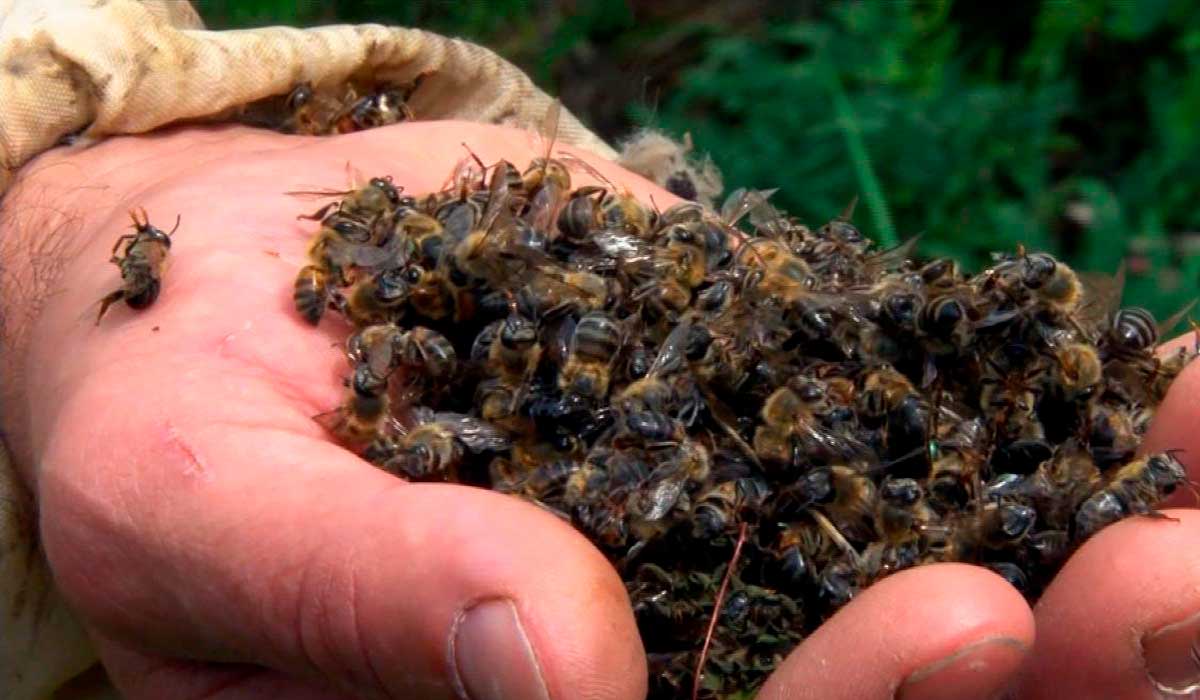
<point x="940" y="631"/>
<point x="219" y="540"/>
<point x="1174" y="425"/>
<point x="1097" y="622"/>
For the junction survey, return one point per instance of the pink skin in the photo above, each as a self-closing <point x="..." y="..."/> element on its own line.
<point x="219" y="545"/>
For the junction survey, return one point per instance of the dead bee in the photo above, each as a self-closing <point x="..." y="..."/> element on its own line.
<point x="1134" y="489"/>
<point x="314" y="112"/>
<point x="377" y="298"/>
<point x="901" y="510"/>
<point x="1077" y="371"/>
<point x="424" y="353"/>
<point x="378" y="198"/>
<point x="716" y="508"/>
<point x="381" y="107"/>
<point x="141" y="264"/>
<point x="364" y="416"/>
<point x="967" y="536"/>
<point x="312" y="293"/>
<point x="437" y="443"/>
<point x="594" y="346"/>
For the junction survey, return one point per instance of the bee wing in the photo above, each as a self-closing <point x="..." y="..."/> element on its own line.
<point x="477" y="435"/>
<point x="743" y="201"/>
<point x="1101" y="296"/>
<point x="379" y="359"/>
<point x="1173" y="320"/>
<point x="548" y="128"/>
<point x="621" y="245"/>
<point x="332" y="420"/>
<point x="671" y="354"/>
<point x="892" y="258"/>
<point x="842" y="446"/>
<point x="766" y="217"/>
<point x="660" y="498"/>
<point x="576" y="163"/>
<point x="392" y="254"/>
<point x="563" y="338"/>
<point x="318" y="193"/>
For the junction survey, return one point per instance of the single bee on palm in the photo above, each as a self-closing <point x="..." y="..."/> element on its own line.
<point x="141" y="264"/>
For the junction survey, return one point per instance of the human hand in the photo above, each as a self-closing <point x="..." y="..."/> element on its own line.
<point x="217" y="544"/>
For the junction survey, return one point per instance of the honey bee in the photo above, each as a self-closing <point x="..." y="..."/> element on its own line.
<point x="428" y="293"/>
<point x="1053" y="283"/>
<point x="580" y="216"/>
<point x="312" y="293"/>
<point x="512" y="360"/>
<point x="314" y="112"/>
<point x="424" y="233"/>
<point x="946" y="323"/>
<point x="364" y="416"/>
<point x="1077" y="371"/>
<point x="547" y="180"/>
<point x="1134" y="489"/>
<point x="1112" y="436"/>
<point x="1165" y="370"/>
<point x="381" y="107"/>
<point x="595" y="344"/>
<point x="901" y="510"/>
<point x="883" y="391"/>
<point x="664" y="498"/>
<point x="619" y="210"/>
<point x="716" y="508"/>
<point x="952" y="475"/>
<point x="438" y="444"/>
<point x="1011" y="394"/>
<point x="141" y="263"/>
<point x="967" y="536"/>
<point x="679" y="268"/>
<point x="384" y="348"/>
<point x="1059" y="485"/>
<point x="548" y="295"/>
<point x="545" y="482"/>
<point x="798" y="547"/>
<point x="378" y="198"/>
<point x="377" y="298"/>
<point x="846" y="494"/>
<point x="787" y="413"/>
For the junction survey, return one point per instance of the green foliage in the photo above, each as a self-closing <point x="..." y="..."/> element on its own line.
<point x="1065" y="126"/>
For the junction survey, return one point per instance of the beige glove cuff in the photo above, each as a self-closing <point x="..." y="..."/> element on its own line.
<point x="121" y="67"/>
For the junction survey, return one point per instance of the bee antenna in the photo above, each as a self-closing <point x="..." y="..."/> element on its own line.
<point x="476" y="158"/>
<point x="175" y="227"/>
<point x="848" y="213"/>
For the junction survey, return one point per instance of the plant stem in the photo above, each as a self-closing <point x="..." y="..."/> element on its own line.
<point x="872" y="192"/>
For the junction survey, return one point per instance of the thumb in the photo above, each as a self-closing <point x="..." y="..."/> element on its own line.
<point x="210" y="541"/>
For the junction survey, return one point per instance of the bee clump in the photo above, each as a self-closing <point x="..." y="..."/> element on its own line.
<point x="685" y="384"/>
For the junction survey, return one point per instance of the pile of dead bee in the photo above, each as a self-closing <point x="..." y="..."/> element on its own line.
<point x="752" y="419"/>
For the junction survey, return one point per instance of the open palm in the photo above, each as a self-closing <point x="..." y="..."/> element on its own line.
<point x="218" y="544"/>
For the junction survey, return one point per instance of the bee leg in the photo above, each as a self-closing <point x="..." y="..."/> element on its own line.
<point x="319" y="214"/>
<point x="108" y="301"/>
<point x="121" y="239"/>
<point x="1147" y="512"/>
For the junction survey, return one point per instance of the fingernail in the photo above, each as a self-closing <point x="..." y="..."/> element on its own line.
<point x="1172" y="656"/>
<point x="491" y="655"/>
<point x="978" y="670"/>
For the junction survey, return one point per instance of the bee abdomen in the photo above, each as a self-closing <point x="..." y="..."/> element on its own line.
<point x="1134" y="329"/>
<point x="145" y="295"/>
<point x="310" y="294"/>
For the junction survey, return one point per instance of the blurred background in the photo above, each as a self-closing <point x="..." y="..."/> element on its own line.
<point x="1064" y="126"/>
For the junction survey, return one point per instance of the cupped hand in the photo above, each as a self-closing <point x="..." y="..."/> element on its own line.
<point x="217" y="544"/>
